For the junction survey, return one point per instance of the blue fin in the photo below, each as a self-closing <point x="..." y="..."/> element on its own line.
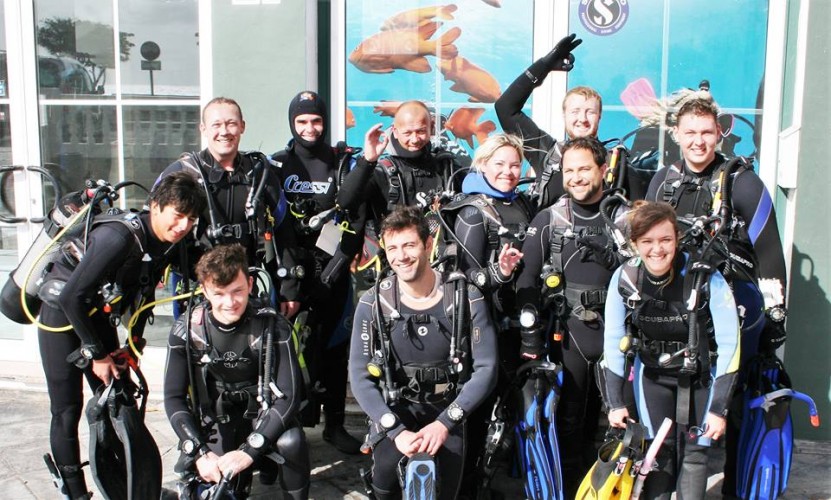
<point x="420" y="478"/>
<point x="540" y="456"/>
<point x="766" y="437"/>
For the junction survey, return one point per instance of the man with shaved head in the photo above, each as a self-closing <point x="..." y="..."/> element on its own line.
<point x="399" y="166"/>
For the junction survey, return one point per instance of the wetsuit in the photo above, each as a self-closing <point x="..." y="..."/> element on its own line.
<point x="308" y="175"/>
<point x="229" y="381"/>
<point x="113" y="254"/>
<point x="756" y="252"/>
<point x="661" y="321"/>
<point x="541" y="150"/>
<point x="227" y="193"/>
<point x="421" y="337"/>
<point x="584" y="277"/>
<point x="480" y="242"/>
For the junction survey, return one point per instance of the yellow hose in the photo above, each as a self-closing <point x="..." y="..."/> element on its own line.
<point x="134" y="318"/>
<point x="57" y="238"/>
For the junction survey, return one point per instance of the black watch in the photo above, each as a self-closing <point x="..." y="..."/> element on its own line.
<point x="777" y="314"/>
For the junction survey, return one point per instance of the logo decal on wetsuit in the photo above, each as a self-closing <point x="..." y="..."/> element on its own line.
<point x="293" y="184"/>
<point x="230" y="359"/>
<point x="421" y="331"/>
<point x="603" y="17"/>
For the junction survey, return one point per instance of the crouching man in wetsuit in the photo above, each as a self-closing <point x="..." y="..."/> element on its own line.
<point x="234" y="352"/>
<point x="420" y="361"/>
<point x="126" y="252"/>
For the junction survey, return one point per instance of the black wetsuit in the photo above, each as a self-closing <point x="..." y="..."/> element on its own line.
<point x="421" y="337"/>
<point x="483" y="246"/>
<point x="661" y="321"/>
<point x="230" y="381"/>
<point x="419" y="176"/>
<point x="757" y="250"/>
<point x="308" y="177"/>
<point x="114" y="253"/>
<point x="582" y="340"/>
<point x="227" y="193"/>
<point x="541" y="149"/>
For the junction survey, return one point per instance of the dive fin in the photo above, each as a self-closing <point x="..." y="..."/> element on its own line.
<point x="420" y="478"/>
<point x="535" y="446"/>
<point x="124" y="457"/>
<point x="611" y="477"/>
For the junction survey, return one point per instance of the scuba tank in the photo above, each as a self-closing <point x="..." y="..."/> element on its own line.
<point x="64" y="218"/>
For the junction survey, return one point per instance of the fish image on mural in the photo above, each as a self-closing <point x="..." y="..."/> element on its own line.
<point x="416" y="17"/>
<point x="350" y="118"/>
<point x="386" y="51"/>
<point x="470" y="79"/>
<point x="450" y="55"/>
<point x="462" y="123"/>
<point x="386" y="108"/>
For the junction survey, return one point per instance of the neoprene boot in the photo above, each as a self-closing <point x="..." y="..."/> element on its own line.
<point x="301" y="494"/>
<point x="384" y="494"/>
<point x="74" y="482"/>
<point x="335" y="434"/>
<point x="692" y="479"/>
<point x="660" y="483"/>
<point x="342" y="440"/>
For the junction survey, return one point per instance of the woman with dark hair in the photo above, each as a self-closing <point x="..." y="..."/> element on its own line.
<point x="651" y="303"/>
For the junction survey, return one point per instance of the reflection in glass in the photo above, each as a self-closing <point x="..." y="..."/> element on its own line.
<point x="4" y="72"/>
<point x="79" y="143"/>
<point x="154" y="137"/>
<point x="173" y="27"/>
<point x="76" y="56"/>
<point x="6" y="179"/>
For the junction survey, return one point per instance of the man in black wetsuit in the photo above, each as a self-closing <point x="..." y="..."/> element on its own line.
<point x="245" y="398"/>
<point x="128" y="251"/>
<point x="569" y="256"/>
<point x="756" y="268"/>
<point x="399" y="167"/>
<point x="310" y="172"/>
<point x="231" y="178"/>
<point x="420" y="371"/>
<point x="582" y="110"/>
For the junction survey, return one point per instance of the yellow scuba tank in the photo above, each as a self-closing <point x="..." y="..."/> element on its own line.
<point x="612" y="475"/>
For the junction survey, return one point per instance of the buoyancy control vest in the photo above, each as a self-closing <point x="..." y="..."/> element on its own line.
<point x="238" y="217"/>
<point x="658" y="328"/>
<point x="432" y="380"/>
<point x="693" y="195"/>
<point x="228" y="366"/>
<point x="111" y="297"/>
<point x="501" y="226"/>
<point x="586" y="302"/>
<point x="311" y="199"/>
<point x="419" y="183"/>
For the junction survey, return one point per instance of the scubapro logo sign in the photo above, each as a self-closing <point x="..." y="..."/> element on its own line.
<point x="603" y="17"/>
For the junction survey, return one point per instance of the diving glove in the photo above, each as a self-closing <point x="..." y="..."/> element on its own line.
<point x="559" y="59"/>
<point x="591" y="249"/>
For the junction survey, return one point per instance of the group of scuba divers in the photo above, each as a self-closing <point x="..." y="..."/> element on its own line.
<point x="501" y="323"/>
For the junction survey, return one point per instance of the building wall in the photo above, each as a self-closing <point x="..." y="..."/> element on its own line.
<point x="262" y="65"/>
<point x="808" y="350"/>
